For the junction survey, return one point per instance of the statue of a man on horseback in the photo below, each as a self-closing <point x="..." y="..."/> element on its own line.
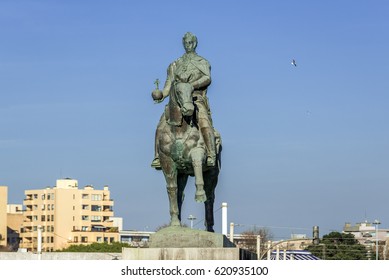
<point x="186" y="143"/>
<point x="196" y="70"/>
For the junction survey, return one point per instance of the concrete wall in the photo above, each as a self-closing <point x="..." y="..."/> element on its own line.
<point x="140" y="254"/>
<point x="181" y="254"/>
<point x="60" y="256"/>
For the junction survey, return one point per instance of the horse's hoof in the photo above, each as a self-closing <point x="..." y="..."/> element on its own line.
<point x="200" y="196"/>
<point x="175" y="223"/>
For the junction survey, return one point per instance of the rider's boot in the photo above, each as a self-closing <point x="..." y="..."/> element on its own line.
<point x="156" y="163"/>
<point x="209" y="140"/>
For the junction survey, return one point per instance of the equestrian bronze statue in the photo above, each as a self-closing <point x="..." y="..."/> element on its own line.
<point x="186" y="143"/>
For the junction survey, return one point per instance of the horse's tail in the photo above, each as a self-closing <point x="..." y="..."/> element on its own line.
<point x="219" y="147"/>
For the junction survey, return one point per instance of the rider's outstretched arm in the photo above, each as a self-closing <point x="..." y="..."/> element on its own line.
<point x="169" y="80"/>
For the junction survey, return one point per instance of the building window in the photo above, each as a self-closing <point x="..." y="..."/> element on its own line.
<point x="84" y="228"/>
<point x="75" y="239"/>
<point x="125" y="239"/>
<point x="96" y="197"/>
<point x="52" y="196"/>
<point x="84" y="239"/>
<point x="111" y="240"/>
<point x="35" y="218"/>
<point x="43" y="196"/>
<point x="34" y="228"/>
<point x="35" y="196"/>
<point x="96" y="208"/>
<point x="52" y="218"/>
<point x="96" y="219"/>
<point x="85" y="218"/>
<point x="98" y="228"/>
<point x="99" y="239"/>
<point x="85" y="207"/>
<point x="85" y="196"/>
<point x="52" y="206"/>
<point x="43" y="218"/>
<point x="35" y="207"/>
<point x="43" y="207"/>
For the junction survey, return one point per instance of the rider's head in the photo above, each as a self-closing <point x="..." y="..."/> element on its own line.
<point x="190" y="42"/>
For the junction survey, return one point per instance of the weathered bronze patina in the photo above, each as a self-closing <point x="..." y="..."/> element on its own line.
<point x="186" y="143"/>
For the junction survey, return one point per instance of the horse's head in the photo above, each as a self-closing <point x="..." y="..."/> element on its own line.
<point x="183" y="95"/>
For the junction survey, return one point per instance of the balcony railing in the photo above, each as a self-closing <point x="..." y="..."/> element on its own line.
<point x="106" y="230"/>
<point x="27" y="245"/>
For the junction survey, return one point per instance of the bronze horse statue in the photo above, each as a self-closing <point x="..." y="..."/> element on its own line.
<point x="182" y="153"/>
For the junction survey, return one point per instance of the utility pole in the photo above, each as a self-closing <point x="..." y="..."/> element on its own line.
<point x="258" y="247"/>
<point x="376" y="223"/>
<point x="39" y="249"/>
<point x="224" y="218"/>
<point x="191" y="218"/>
<point x="232" y="232"/>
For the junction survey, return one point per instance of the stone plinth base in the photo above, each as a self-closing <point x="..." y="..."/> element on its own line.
<point x="181" y="237"/>
<point x="180" y="243"/>
<point x="180" y="254"/>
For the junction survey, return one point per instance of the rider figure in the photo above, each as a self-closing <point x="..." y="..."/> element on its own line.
<point x="194" y="69"/>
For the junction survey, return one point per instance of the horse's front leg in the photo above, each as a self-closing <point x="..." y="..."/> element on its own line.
<point x="197" y="156"/>
<point x="173" y="205"/>
<point x="170" y="173"/>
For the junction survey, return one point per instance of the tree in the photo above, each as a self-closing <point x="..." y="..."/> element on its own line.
<point x="249" y="238"/>
<point x="339" y="246"/>
<point x="115" y="247"/>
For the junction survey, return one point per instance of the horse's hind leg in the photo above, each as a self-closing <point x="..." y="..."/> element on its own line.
<point x="182" y="179"/>
<point x="210" y="181"/>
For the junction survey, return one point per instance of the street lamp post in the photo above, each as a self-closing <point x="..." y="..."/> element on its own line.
<point x="39" y="249"/>
<point x="191" y="218"/>
<point x="376" y="223"/>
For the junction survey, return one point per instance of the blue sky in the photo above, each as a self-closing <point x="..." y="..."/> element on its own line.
<point x="302" y="146"/>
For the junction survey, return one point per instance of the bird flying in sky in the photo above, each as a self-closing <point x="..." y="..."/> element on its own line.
<point x="294" y="62"/>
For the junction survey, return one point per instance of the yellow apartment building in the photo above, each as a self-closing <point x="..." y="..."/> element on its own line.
<point x="66" y="215"/>
<point x="3" y="215"/>
<point x="14" y="225"/>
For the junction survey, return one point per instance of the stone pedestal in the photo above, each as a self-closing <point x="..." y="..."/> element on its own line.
<point x="178" y="243"/>
<point x="181" y="237"/>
